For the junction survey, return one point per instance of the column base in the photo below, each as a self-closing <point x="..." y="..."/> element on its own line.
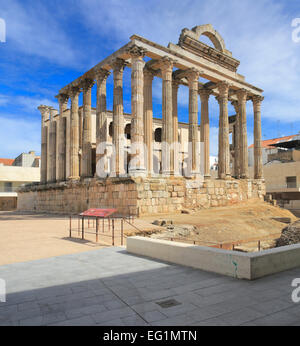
<point x="244" y="177"/>
<point x="222" y="176"/>
<point x="207" y="177"/>
<point x="138" y="173"/>
<point x="74" y="178"/>
<point x="168" y="173"/>
<point x="259" y="178"/>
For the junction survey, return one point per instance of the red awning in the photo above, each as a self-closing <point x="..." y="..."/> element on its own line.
<point x="98" y="212"/>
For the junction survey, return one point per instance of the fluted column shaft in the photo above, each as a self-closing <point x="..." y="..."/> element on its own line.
<point x="118" y="117"/>
<point x="258" y="166"/>
<point x="167" y="123"/>
<point x="74" y="137"/>
<point x="44" y="134"/>
<point x="175" y="149"/>
<point x="148" y="119"/>
<point x="242" y="99"/>
<point x="86" y="157"/>
<point x="194" y="142"/>
<point x="204" y="128"/>
<point x="137" y="161"/>
<point x="101" y="123"/>
<point x="52" y="145"/>
<point x="224" y="153"/>
<point x="61" y="138"/>
<point x="237" y="143"/>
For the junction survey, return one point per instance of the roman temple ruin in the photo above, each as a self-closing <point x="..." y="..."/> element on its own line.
<point x="140" y="164"/>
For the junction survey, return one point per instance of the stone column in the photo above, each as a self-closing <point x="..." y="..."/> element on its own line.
<point x="167" y="115"/>
<point x="175" y="150"/>
<point x="101" y="123"/>
<point x="237" y="141"/>
<point x="74" y="138"/>
<point x="194" y="142"/>
<point x="258" y="166"/>
<point x="86" y="156"/>
<point x="137" y="161"/>
<point x="242" y="99"/>
<point x="148" y="118"/>
<point x="118" y="118"/>
<point x="44" y="134"/>
<point x="61" y="138"/>
<point x="204" y="96"/>
<point x="224" y="153"/>
<point x="52" y="144"/>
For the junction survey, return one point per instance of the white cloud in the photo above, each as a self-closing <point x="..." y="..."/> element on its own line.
<point x="25" y="135"/>
<point x="35" y="30"/>
<point x="258" y="33"/>
<point x="3" y="100"/>
<point x="28" y="104"/>
<point x="214" y="140"/>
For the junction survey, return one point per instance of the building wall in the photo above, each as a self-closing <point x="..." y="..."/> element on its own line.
<point x="275" y="174"/>
<point x="17" y="174"/>
<point x="8" y="203"/>
<point x="265" y="153"/>
<point x="27" y="160"/>
<point x="138" y="196"/>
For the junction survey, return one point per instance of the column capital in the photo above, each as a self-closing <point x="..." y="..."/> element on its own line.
<point x="223" y="87"/>
<point x="257" y="100"/>
<point x="242" y="95"/>
<point x="45" y="111"/>
<point x="53" y="112"/>
<point x="101" y="74"/>
<point x="204" y="94"/>
<point x="73" y="91"/>
<point x="235" y="105"/>
<point x="166" y="65"/>
<point x="136" y="52"/>
<point x="87" y="84"/>
<point x="175" y="83"/>
<point x="192" y="76"/>
<point x="119" y="65"/>
<point x="148" y="73"/>
<point x="62" y="98"/>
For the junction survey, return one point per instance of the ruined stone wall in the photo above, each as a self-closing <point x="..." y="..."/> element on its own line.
<point x="138" y="196"/>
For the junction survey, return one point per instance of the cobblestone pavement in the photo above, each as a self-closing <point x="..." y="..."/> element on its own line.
<point x="111" y="287"/>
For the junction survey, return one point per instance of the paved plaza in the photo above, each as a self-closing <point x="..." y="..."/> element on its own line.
<point x="111" y="287"/>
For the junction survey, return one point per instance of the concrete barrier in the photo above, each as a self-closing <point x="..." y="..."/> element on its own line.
<point x="240" y="265"/>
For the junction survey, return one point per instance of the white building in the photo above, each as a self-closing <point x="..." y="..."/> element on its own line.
<point x="14" y="173"/>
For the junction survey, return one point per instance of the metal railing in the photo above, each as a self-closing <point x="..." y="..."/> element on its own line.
<point x="233" y="245"/>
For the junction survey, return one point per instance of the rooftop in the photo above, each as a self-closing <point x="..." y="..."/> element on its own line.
<point x="269" y="143"/>
<point x="6" y="162"/>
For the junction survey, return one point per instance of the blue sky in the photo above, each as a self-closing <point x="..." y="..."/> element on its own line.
<point x="50" y="43"/>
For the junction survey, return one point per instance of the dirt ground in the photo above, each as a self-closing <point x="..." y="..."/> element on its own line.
<point x="249" y="220"/>
<point x="25" y="236"/>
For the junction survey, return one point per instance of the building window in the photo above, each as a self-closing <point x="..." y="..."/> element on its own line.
<point x="157" y="135"/>
<point x="8" y="187"/>
<point x="110" y="129"/>
<point x="291" y="182"/>
<point x="127" y="131"/>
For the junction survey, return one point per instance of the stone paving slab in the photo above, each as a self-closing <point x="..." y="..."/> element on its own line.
<point x="111" y="287"/>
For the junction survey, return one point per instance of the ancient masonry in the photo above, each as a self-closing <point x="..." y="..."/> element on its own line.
<point x="134" y="171"/>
